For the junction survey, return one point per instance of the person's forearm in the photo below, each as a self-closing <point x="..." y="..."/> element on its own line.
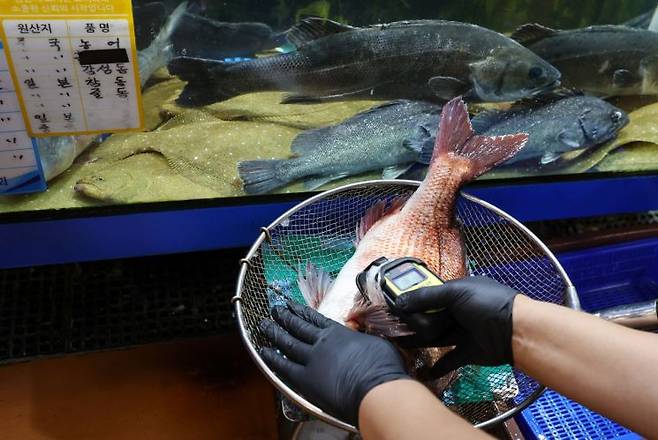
<point x="606" y="367"/>
<point x="406" y="409"/>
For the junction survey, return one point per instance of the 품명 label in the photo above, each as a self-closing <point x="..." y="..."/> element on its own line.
<point x="20" y="167"/>
<point x="74" y="64"/>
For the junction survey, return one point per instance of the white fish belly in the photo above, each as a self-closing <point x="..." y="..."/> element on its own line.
<point x="338" y="302"/>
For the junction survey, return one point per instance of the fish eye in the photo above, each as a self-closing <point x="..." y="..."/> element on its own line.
<point x="616" y="116"/>
<point x="535" y="73"/>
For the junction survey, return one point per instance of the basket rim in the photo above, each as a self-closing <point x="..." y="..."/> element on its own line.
<point x="570" y="300"/>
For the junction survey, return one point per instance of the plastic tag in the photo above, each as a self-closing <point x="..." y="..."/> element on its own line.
<point x="20" y="167"/>
<point x="74" y="63"/>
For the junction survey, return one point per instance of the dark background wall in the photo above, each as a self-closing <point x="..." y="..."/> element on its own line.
<point x="502" y="15"/>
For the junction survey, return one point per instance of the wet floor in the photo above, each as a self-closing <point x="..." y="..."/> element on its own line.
<point x="206" y="389"/>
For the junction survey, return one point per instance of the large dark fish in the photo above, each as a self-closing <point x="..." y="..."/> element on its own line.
<point x="601" y="60"/>
<point x="556" y="125"/>
<point x="423" y="60"/>
<point x="390" y="137"/>
<point x="202" y="37"/>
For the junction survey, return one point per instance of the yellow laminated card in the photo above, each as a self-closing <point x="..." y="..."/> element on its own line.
<point x="74" y="65"/>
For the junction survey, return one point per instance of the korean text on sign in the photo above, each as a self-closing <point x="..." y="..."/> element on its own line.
<point x="75" y="75"/>
<point x="20" y="169"/>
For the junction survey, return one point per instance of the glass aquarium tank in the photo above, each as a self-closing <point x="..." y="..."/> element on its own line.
<point x="253" y="98"/>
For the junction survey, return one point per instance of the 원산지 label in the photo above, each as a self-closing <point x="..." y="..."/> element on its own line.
<point x="20" y="167"/>
<point x="74" y="63"/>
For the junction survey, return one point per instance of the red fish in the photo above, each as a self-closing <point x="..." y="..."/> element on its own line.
<point x="423" y="226"/>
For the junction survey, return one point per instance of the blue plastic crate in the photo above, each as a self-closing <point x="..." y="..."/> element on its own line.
<point x="605" y="277"/>
<point x="553" y="416"/>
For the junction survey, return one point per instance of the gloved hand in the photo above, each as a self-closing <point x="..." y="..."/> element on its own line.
<point x="476" y="318"/>
<point x="329" y="364"/>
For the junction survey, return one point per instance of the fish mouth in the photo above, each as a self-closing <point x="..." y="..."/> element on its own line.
<point x="545" y="88"/>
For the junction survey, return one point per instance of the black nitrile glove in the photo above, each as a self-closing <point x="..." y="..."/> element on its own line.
<point x="476" y="318"/>
<point x="330" y="365"/>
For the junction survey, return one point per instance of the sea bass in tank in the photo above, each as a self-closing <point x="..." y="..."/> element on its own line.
<point x="556" y="124"/>
<point x="389" y="137"/>
<point x="600" y="60"/>
<point x="424" y="226"/>
<point x="423" y="60"/>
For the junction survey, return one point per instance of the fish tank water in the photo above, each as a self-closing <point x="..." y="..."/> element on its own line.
<point x="250" y="98"/>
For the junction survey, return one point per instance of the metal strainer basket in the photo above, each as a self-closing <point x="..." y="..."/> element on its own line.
<point x="321" y="230"/>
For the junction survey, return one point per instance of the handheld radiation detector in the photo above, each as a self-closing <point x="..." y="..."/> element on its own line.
<point x="397" y="277"/>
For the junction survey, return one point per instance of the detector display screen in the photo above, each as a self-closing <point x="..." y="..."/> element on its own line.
<point x="408" y="279"/>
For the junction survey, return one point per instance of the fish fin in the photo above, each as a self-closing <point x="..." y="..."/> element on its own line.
<point x="377" y="212"/>
<point x="567" y="138"/>
<point x="446" y="87"/>
<point x="260" y="176"/>
<point x="309" y="140"/>
<point x="483" y="121"/>
<point x="641" y="21"/>
<point x="314" y="285"/>
<point x="422" y="143"/>
<point x="454" y="128"/>
<point x="573" y="154"/>
<point x="623" y="78"/>
<point x="457" y="139"/>
<point x="316" y="182"/>
<point x="395" y="171"/>
<point x="199" y="74"/>
<point x="161" y="50"/>
<point x="313" y="28"/>
<point x="293" y="98"/>
<point x="376" y="319"/>
<point x="548" y="158"/>
<point x="363" y="93"/>
<point x="532" y="33"/>
<point x="544" y="99"/>
<point x="608" y="28"/>
<point x="173" y="21"/>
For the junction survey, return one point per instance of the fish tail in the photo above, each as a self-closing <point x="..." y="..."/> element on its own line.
<point x="172" y="23"/>
<point x="161" y="51"/>
<point x="314" y="284"/>
<point x="456" y="141"/>
<point x="261" y="176"/>
<point x="208" y="81"/>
